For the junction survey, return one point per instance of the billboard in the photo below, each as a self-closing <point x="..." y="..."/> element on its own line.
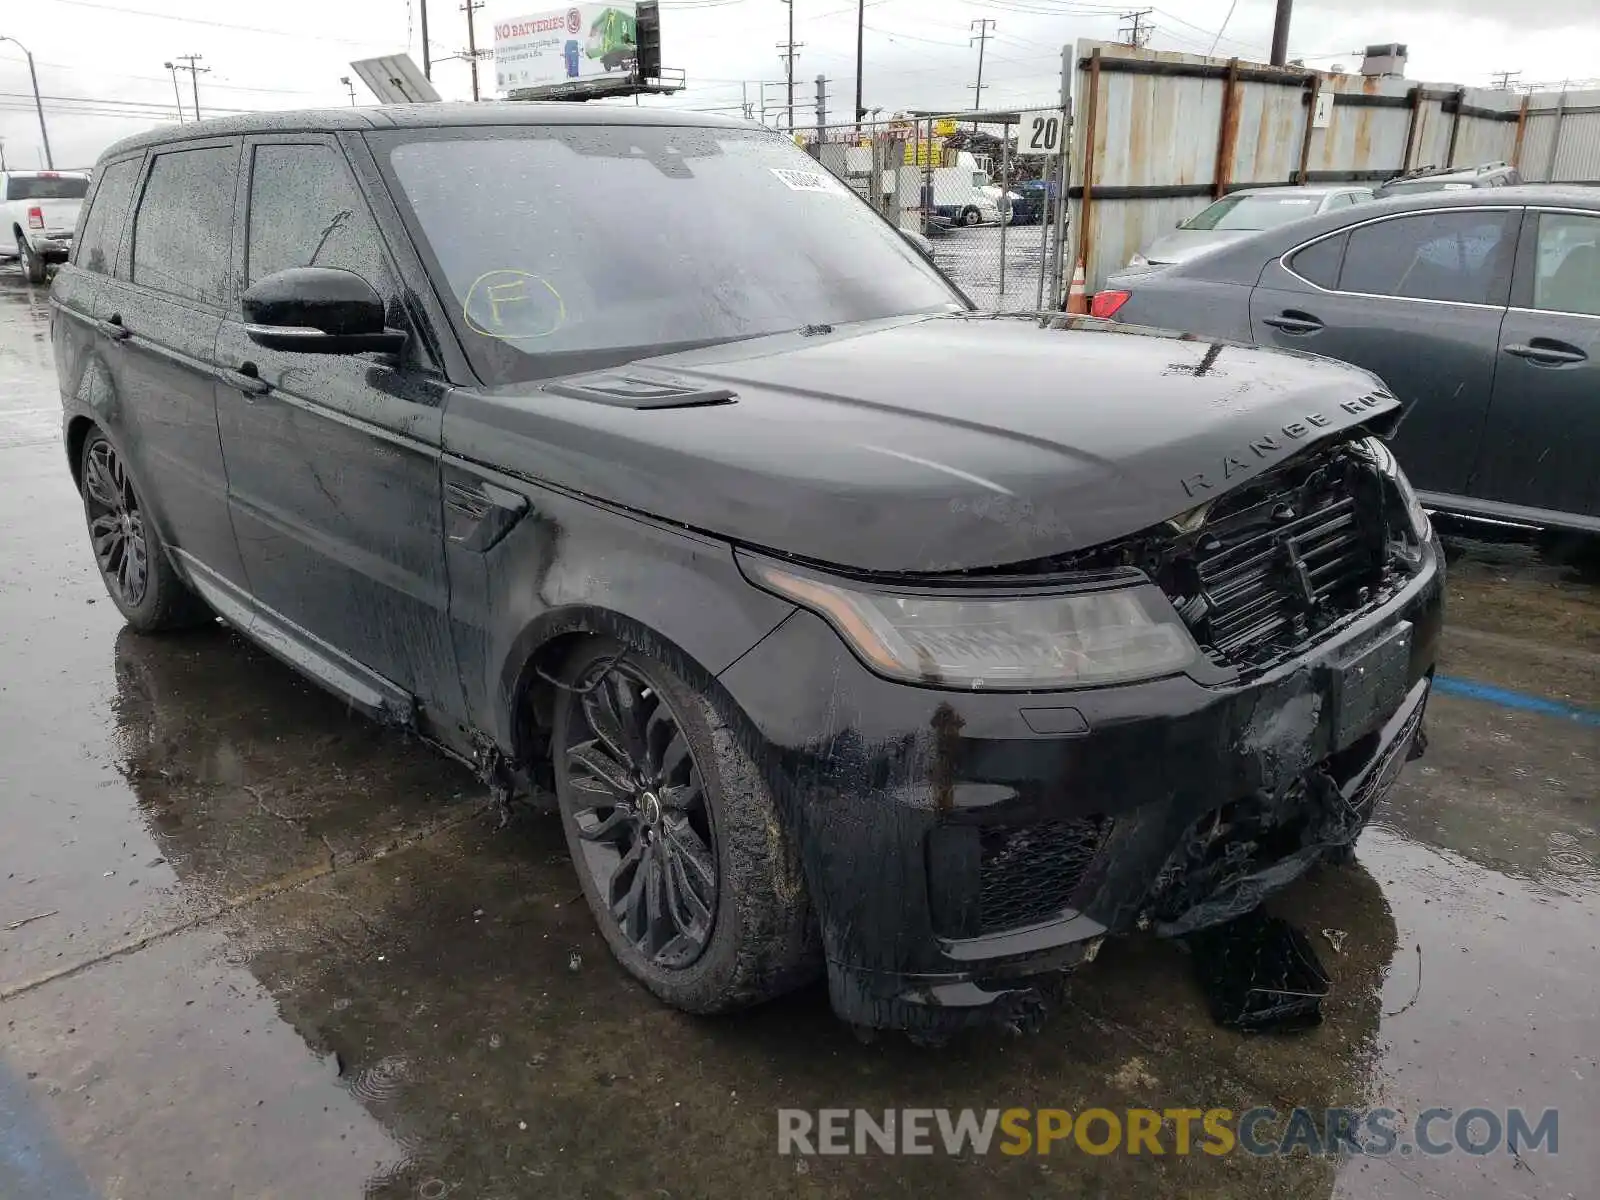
<point x="566" y="46"/>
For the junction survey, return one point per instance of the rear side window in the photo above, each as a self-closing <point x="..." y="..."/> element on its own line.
<point x="305" y="211"/>
<point x="1320" y="261"/>
<point x="181" y="236"/>
<point x="1459" y="256"/>
<point x="108" y="212"/>
<point x="46" y="187"/>
<point x="1566" y="274"/>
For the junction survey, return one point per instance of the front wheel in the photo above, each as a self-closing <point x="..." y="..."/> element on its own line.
<point x="32" y="264"/>
<point x="675" y="837"/>
<point x="128" y="549"/>
<point x="971" y="217"/>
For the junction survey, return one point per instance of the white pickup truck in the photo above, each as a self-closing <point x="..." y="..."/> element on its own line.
<point x="38" y="213"/>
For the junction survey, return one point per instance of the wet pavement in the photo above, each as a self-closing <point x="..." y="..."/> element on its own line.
<point x="279" y="952"/>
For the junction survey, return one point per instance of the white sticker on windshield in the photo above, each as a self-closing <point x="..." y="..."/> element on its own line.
<point x="808" y="181"/>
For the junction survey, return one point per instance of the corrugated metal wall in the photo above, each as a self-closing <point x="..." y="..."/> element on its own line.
<point x="1163" y="131"/>
<point x="1577" y="157"/>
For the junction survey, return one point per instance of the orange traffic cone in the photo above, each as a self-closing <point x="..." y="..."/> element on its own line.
<point x="1078" y="293"/>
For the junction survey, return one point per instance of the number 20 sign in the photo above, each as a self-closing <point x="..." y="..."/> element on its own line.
<point x="1041" y="132"/>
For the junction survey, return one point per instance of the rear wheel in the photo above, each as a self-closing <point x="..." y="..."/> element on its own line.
<point x="675" y="838"/>
<point x="128" y="549"/>
<point x="32" y="264"/>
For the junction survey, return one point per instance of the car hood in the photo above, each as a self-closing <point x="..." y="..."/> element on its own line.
<point x="1183" y="244"/>
<point x="926" y="445"/>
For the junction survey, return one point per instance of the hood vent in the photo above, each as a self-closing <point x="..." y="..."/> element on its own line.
<point x="629" y="391"/>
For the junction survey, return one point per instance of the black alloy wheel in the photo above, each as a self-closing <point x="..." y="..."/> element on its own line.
<point x="639" y="805"/>
<point x="116" y="525"/>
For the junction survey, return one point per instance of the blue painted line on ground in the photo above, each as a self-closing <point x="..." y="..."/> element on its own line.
<point x="1450" y="686"/>
<point x="33" y="1163"/>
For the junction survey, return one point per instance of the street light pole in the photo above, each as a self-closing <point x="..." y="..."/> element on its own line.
<point x="861" y="25"/>
<point x="176" y="94"/>
<point x="427" y="56"/>
<point x="49" y="162"/>
<point x="1280" y="32"/>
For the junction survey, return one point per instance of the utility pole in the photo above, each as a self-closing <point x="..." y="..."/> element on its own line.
<point x="176" y="94"/>
<point x="984" y="26"/>
<point x="861" y="27"/>
<point x="1502" y="80"/>
<point x="1280" y="33"/>
<point x="790" y="52"/>
<point x="195" y="72"/>
<point x="345" y="79"/>
<point x="427" y="59"/>
<point x="1137" y="31"/>
<point x="822" y="111"/>
<point x="38" y="104"/>
<point x="470" y="7"/>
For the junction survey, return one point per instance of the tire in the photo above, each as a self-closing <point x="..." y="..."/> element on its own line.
<point x="128" y="549"/>
<point x="718" y="943"/>
<point x="971" y="217"/>
<point x="32" y="265"/>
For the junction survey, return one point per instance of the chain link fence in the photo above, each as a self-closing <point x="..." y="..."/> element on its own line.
<point x="991" y="218"/>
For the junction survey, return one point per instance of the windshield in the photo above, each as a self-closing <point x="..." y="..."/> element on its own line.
<point x="568" y="248"/>
<point x="46" y="187"/>
<point x="1253" y="212"/>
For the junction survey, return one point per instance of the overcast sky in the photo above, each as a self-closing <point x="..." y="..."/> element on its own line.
<point x="101" y="63"/>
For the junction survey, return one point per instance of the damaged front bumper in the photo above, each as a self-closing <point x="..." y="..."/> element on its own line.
<point x="963" y="847"/>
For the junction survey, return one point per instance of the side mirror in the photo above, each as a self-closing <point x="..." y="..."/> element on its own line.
<point x="318" y="310"/>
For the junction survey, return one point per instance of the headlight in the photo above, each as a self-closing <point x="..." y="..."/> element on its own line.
<point x="1138" y="260"/>
<point x="988" y="643"/>
<point x="1420" y="525"/>
<point x="1387" y="463"/>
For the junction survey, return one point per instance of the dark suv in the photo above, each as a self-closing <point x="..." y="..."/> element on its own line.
<point x="628" y="455"/>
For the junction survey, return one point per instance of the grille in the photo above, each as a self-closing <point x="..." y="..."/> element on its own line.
<point x="1300" y="552"/>
<point x="1029" y="874"/>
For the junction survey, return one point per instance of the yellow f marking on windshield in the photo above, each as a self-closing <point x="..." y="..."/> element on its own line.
<point x="515" y="308"/>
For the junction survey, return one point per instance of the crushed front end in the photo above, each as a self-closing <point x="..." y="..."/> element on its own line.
<point x="964" y="844"/>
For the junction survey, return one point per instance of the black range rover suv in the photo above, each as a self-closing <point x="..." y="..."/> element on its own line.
<point x="628" y="455"/>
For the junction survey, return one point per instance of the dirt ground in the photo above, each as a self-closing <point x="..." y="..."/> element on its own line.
<point x="253" y="946"/>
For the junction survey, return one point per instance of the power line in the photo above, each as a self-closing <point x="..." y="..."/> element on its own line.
<point x="1137" y="31"/>
<point x="790" y="50"/>
<point x="983" y="26"/>
<point x="297" y="34"/>
<point x="1223" y="28"/>
<point x="1503" y="80"/>
<point x="188" y="61"/>
<point x="472" y="53"/>
<point x="79" y="69"/>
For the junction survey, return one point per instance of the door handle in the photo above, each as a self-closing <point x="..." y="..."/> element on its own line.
<point x="113" y="328"/>
<point x="1546" y="353"/>
<point x="1294" y="322"/>
<point x="247" y="379"/>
